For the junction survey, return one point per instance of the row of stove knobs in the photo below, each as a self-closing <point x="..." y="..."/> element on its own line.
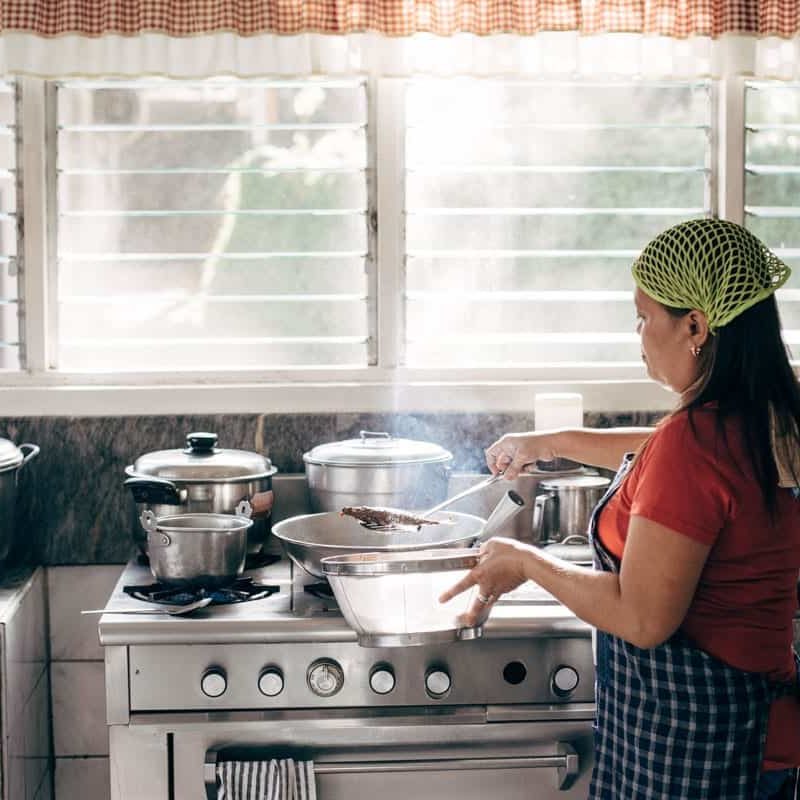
<point x="325" y="678"/>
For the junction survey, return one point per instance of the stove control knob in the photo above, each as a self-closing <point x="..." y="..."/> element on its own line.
<point x="564" y="681"/>
<point x="382" y="680"/>
<point x="214" y="683"/>
<point x="437" y="683"/>
<point x="270" y="682"/>
<point x="325" y="677"/>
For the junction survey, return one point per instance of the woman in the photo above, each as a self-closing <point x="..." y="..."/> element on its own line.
<point x="697" y="542"/>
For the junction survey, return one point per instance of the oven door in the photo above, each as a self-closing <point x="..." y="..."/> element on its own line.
<point x="463" y="753"/>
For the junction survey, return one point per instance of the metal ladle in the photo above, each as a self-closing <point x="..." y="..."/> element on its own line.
<point x="172" y="611"/>
<point x="471" y="490"/>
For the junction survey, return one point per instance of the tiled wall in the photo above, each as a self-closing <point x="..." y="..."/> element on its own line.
<point x="80" y="735"/>
<point x="26" y="690"/>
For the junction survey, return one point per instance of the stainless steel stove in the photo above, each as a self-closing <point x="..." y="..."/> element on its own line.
<point x="505" y="715"/>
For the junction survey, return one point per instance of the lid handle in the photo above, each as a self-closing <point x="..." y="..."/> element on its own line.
<point x="200" y="443"/>
<point x="374" y="435"/>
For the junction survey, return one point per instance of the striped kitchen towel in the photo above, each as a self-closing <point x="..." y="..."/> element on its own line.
<point x="277" y="779"/>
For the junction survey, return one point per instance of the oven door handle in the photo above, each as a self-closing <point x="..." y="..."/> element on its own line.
<point x="565" y="761"/>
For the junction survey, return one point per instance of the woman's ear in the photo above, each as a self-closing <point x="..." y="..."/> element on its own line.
<point x="698" y="327"/>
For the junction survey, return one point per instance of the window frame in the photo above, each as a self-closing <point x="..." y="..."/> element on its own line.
<point x="383" y="386"/>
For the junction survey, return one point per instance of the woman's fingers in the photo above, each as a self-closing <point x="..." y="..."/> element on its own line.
<point x="478" y="611"/>
<point x="464" y="584"/>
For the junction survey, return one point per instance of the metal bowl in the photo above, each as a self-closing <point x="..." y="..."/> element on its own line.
<point x="309" y="538"/>
<point x="392" y="599"/>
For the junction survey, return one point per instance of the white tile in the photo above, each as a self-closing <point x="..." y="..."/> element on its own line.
<point x="25" y="638"/>
<point x="36" y="722"/>
<point x="82" y="779"/>
<point x="79" y="708"/>
<point x="45" y="790"/>
<point x="73" y="637"/>
<point x="36" y="715"/>
<point x="15" y="778"/>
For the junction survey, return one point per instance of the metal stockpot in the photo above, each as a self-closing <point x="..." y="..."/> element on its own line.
<point x="564" y="507"/>
<point x="205" y="550"/>
<point x="12" y="459"/>
<point x="202" y="479"/>
<point x="377" y="470"/>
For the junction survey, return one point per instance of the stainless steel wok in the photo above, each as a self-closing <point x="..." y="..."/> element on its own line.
<point x="309" y="538"/>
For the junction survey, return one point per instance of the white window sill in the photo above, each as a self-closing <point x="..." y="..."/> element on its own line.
<point x="85" y="400"/>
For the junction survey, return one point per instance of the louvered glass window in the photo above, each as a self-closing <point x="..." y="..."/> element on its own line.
<point x="10" y="329"/>
<point x="526" y="203"/>
<point x="772" y="184"/>
<point x="213" y="225"/>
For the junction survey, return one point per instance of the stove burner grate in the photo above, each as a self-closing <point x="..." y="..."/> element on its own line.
<point x="321" y="590"/>
<point x="243" y="590"/>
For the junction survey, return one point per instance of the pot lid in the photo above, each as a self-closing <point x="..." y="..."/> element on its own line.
<point x="576" y="482"/>
<point x="377" y="449"/>
<point x="202" y="461"/>
<point x="10" y="454"/>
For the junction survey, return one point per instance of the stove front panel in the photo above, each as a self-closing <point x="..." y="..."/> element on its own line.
<point x="343" y="674"/>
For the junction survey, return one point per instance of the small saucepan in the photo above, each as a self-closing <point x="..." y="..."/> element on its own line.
<point x="207" y="550"/>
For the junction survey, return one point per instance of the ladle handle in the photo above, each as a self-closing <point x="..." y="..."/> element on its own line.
<point x="456" y="497"/>
<point x="510" y="504"/>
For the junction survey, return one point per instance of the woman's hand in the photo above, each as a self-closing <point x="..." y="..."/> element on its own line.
<point x="500" y="569"/>
<point x="512" y="452"/>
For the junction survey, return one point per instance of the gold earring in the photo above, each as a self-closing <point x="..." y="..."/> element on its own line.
<point x="695" y="350"/>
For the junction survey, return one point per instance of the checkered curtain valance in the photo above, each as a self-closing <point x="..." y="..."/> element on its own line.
<point x="678" y="19"/>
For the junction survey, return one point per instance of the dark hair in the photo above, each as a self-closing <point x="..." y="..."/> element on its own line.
<point x="745" y="370"/>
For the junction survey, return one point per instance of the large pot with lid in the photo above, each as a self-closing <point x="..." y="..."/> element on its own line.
<point x="202" y="478"/>
<point x="377" y="470"/>
<point x="12" y="460"/>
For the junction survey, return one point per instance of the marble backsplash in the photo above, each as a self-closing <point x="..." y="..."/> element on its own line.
<point x="73" y="509"/>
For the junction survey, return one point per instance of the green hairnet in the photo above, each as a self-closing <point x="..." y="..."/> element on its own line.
<point x="712" y="265"/>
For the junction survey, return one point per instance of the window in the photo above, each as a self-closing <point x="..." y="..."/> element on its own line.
<point x="772" y="184"/>
<point x="362" y="243"/>
<point x="526" y="203"/>
<point x="214" y="225"/>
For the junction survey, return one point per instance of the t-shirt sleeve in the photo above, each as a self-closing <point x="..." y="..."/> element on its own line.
<point x="679" y="485"/>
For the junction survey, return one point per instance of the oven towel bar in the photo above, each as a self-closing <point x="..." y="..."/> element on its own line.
<point x="276" y="779"/>
<point x="565" y="761"/>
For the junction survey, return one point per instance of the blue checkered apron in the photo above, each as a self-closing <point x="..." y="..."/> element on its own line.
<point x="672" y="721"/>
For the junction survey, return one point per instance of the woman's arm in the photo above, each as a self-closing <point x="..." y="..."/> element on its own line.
<point x="644" y="604"/>
<point x="597" y="447"/>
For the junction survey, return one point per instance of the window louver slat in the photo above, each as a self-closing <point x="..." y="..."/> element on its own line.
<point x="10" y="333"/>
<point x="537" y="229"/>
<point x="209" y="225"/>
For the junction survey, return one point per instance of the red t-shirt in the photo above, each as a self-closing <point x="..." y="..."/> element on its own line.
<point x="701" y="485"/>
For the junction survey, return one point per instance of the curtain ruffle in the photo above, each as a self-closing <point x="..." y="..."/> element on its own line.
<point x="179" y="18"/>
<point x="554" y="54"/>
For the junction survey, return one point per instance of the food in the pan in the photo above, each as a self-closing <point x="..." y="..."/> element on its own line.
<point x="385" y="518"/>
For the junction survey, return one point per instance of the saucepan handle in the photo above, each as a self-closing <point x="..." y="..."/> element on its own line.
<point x="244" y="509"/>
<point x="156" y="491"/>
<point x="539" y="512"/>
<point x="148" y="520"/>
<point x="33" y="451"/>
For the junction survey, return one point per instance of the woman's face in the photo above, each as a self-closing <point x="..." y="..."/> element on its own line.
<point x="666" y="343"/>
